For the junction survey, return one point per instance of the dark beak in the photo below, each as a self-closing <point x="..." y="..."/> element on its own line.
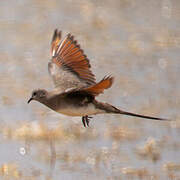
<point x="30" y="100"/>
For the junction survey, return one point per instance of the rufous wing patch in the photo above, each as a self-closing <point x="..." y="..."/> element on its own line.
<point x="70" y="56"/>
<point x="98" y="88"/>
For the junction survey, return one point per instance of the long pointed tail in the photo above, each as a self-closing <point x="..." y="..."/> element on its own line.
<point x="142" y="116"/>
<point x="111" y="109"/>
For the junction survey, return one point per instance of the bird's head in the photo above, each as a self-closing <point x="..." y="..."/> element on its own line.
<point x="38" y="95"/>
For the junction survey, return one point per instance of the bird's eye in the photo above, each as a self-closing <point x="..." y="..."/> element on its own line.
<point x="34" y="94"/>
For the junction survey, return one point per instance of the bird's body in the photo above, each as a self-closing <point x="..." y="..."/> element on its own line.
<point x="72" y="104"/>
<point x="75" y="86"/>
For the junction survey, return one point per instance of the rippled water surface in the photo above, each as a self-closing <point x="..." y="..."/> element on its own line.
<point x="138" y="42"/>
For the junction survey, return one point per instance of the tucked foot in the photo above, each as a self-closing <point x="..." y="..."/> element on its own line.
<point x="86" y="120"/>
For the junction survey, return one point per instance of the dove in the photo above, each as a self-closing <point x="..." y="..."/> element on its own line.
<point x="76" y="88"/>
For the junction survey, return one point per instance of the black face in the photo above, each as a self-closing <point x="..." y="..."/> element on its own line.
<point x="38" y="95"/>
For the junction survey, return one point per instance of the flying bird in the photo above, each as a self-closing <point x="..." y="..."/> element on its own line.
<point x="75" y="85"/>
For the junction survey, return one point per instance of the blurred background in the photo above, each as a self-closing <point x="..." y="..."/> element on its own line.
<point x="138" y="42"/>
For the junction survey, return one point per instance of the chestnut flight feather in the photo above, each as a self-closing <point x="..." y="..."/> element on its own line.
<point x="75" y="84"/>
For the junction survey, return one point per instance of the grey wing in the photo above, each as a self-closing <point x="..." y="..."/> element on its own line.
<point x="63" y="79"/>
<point x="69" y="66"/>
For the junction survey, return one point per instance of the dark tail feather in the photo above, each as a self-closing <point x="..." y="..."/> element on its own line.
<point x="111" y="109"/>
<point x="142" y="116"/>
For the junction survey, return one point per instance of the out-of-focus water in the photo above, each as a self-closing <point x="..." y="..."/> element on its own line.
<point x="138" y="42"/>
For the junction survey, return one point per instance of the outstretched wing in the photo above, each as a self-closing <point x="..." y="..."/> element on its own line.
<point x="69" y="66"/>
<point x="85" y="95"/>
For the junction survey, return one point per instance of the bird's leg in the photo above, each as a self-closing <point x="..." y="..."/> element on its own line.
<point x="85" y="120"/>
